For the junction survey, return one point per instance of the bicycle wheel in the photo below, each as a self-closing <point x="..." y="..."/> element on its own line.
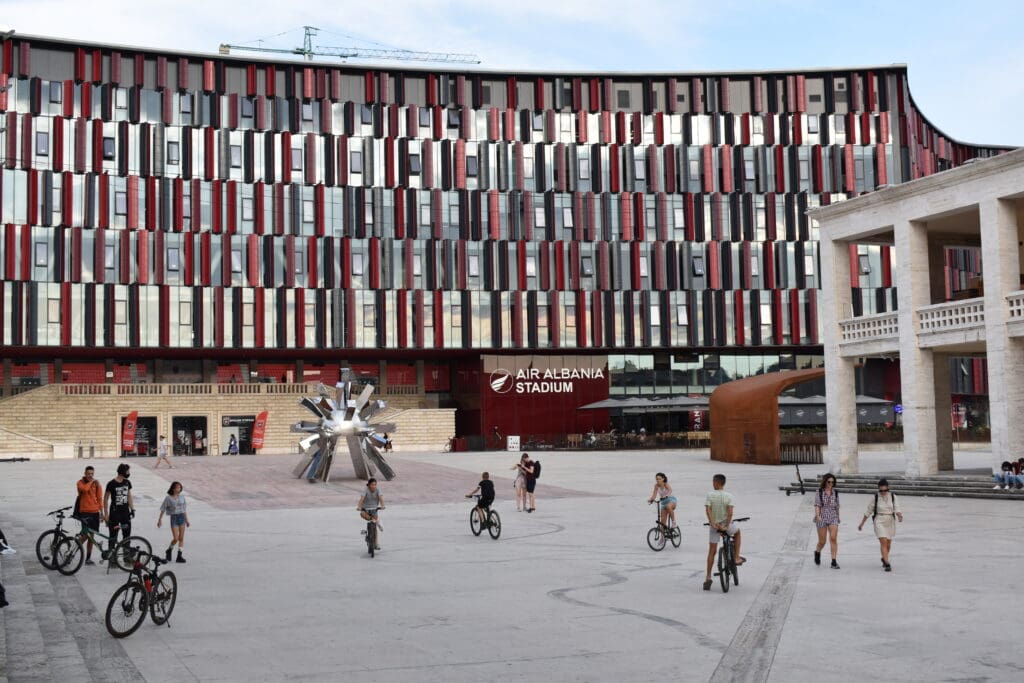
<point x="163" y="597"/>
<point x="69" y="556"/>
<point x="655" y="538"/>
<point x="735" y="573"/>
<point x="126" y="609"/>
<point x="371" y="537"/>
<point x="474" y="522"/>
<point x="130" y="550"/>
<point x="677" y="537"/>
<point x="46" y="548"/>
<point x="724" y="556"/>
<point x="494" y="524"/>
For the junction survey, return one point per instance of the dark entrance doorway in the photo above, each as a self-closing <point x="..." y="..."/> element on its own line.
<point x="191" y="436"/>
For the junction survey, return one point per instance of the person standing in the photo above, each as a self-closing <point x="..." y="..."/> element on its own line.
<point x="826" y="518"/>
<point x="520" y="482"/>
<point x="90" y="506"/>
<point x="718" y="506"/>
<point x="885" y="512"/>
<point x="118" y="505"/>
<point x="531" y="472"/>
<point x="161" y="453"/>
<point x="176" y="507"/>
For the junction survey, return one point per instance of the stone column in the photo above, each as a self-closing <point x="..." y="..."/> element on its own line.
<point x="1000" y="257"/>
<point x="840" y="381"/>
<point x="917" y="370"/>
<point x="943" y="411"/>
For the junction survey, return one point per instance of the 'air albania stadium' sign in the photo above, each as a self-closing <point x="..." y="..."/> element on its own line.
<point x="535" y="381"/>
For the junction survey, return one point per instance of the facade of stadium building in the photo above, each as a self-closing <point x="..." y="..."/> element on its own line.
<point x="515" y="245"/>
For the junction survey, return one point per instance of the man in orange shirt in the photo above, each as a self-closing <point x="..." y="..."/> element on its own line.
<point x="90" y="506"/>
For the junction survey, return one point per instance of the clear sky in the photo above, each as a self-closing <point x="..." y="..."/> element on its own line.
<point x="966" y="60"/>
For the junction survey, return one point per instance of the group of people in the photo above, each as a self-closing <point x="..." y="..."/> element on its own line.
<point x="1010" y="475"/>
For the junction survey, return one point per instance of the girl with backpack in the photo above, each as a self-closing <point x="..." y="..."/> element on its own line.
<point x="885" y="512"/>
<point x="826" y="518"/>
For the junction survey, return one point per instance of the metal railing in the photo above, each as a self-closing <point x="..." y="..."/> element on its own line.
<point x="951" y="316"/>
<point x="869" y="328"/>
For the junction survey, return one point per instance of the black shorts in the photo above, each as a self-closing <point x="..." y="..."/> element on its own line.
<point x="122" y="521"/>
<point x="484" y="503"/>
<point x="89" y="520"/>
<point x="531" y="484"/>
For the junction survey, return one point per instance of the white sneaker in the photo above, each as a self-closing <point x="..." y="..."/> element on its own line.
<point x="7" y="550"/>
<point x="1006" y="488"/>
<point x="996" y="487"/>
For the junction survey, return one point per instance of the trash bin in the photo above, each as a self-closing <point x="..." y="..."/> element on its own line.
<point x="81" y="450"/>
<point x="92" y="449"/>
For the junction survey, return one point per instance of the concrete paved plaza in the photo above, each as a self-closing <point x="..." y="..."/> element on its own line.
<point x="278" y="585"/>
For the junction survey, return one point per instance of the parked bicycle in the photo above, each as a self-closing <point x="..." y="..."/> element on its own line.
<point x="371" y="529"/>
<point x="662" y="532"/>
<point x="727" y="559"/>
<point x="46" y="545"/>
<point x="491" y="520"/>
<point x="70" y="553"/>
<point x="147" y="590"/>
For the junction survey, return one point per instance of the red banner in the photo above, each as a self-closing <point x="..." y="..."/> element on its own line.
<point x="258" y="430"/>
<point x="131" y="422"/>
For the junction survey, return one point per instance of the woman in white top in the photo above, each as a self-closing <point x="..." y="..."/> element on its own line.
<point x="885" y="511"/>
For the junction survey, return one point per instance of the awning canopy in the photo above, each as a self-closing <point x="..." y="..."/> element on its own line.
<point x="638" y="404"/>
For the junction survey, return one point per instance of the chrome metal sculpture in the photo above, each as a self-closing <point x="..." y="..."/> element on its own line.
<point x="342" y="417"/>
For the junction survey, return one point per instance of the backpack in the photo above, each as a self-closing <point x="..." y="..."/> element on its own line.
<point x="536" y="469"/>
<point x="891" y="493"/>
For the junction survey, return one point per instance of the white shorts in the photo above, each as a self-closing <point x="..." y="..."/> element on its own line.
<point x="714" y="536"/>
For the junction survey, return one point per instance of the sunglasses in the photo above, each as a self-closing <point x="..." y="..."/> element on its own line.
<point x="883" y="490"/>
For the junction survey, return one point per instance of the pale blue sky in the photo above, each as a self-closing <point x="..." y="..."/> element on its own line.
<point x="965" y="58"/>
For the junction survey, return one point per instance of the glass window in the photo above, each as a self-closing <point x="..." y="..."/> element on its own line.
<point x="307" y="111"/>
<point x="453" y="118"/>
<point x="588" y="265"/>
<point x="172" y="153"/>
<point x="121" y="98"/>
<point x="414" y="163"/>
<point x="184" y="313"/>
<point x="570" y="316"/>
<point x="584" y="169"/>
<point x="528" y="167"/>
<point x="56" y="92"/>
<point x="643" y="266"/>
<point x="622" y="97"/>
<point x="677" y="216"/>
<point x="109" y="148"/>
<point x="681" y="317"/>
<point x="357" y="264"/>
<point x="417" y="266"/>
<point x="236" y="156"/>
<point x="42" y="254"/>
<point x="567" y="217"/>
<point x="865" y="264"/>
<point x="53" y="310"/>
<point x="43" y="144"/>
<point x="300" y="263"/>
<point x="639" y="169"/>
<point x="698" y="265"/>
<point x="369" y="317"/>
<point x="310" y="315"/>
<point x="121" y="203"/>
<point x="365" y="114"/>
<point x="307" y="211"/>
<point x="474" y="265"/>
<point x="531" y="266"/>
<point x="236" y="260"/>
<point x="173" y="259"/>
<point x="472" y="166"/>
<point x="247" y="205"/>
<point x="540" y="217"/>
<point x="424" y="215"/>
<point x="812" y="124"/>
<point x="120" y="312"/>
<point x="186" y="103"/>
<point x="456" y="316"/>
<point x="425" y="117"/>
<point x="809" y="264"/>
<point x="248" y="313"/>
<point x="355" y="161"/>
<point x="108" y="256"/>
<point x="247" y="108"/>
<point x="296" y="159"/>
<point x="755" y="265"/>
<point x="655" y="316"/>
<point x="428" y="315"/>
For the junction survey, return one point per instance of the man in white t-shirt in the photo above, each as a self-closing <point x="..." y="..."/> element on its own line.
<point x="719" y="506"/>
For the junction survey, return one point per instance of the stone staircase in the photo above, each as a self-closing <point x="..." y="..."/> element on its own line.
<point x="938" y="486"/>
<point x="51" y="631"/>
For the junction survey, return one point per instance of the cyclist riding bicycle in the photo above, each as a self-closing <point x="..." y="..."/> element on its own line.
<point x="371" y="500"/>
<point x="486" y="489"/>
<point x="718" y="505"/>
<point x="667" y="501"/>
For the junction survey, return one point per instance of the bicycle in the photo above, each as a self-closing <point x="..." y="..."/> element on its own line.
<point x="371" y="530"/>
<point x="46" y="545"/>
<point x="659" y="533"/>
<point x="70" y="555"/>
<point x="727" y="559"/>
<point x="145" y="591"/>
<point x="491" y="517"/>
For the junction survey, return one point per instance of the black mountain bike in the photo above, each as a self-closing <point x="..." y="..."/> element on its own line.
<point x="371" y="530"/>
<point x="727" y="559"/>
<point x="46" y="546"/>
<point x="659" y="533"/>
<point x="70" y="553"/>
<point x="493" y="521"/>
<point x="146" y="590"/>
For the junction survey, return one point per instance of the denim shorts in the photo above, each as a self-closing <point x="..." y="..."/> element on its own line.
<point x="178" y="520"/>
<point x="666" y="500"/>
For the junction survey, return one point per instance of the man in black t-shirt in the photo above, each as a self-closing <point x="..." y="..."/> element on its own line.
<point x="486" y="489"/>
<point x="118" y="505"/>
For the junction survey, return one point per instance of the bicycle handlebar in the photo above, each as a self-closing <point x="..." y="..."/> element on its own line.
<point x="738" y="519"/>
<point x="56" y="512"/>
<point x="371" y="509"/>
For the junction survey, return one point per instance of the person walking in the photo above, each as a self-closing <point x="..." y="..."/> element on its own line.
<point x="161" y="453"/>
<point x="90" y="507"/>
<point x="826" y="518"/>
<point x="885" y="511"/>
<point x="118" y="505"/>
<point x="176" y="507"/>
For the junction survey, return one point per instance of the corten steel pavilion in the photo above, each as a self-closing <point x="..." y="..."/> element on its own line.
<point x="980" y="206"/>
<point x="511" y="244"/>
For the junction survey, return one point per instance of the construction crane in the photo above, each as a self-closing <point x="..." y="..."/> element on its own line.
<point x="308" y="50"/>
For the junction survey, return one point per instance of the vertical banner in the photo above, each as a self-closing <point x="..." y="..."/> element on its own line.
<point x="128" y="431"/>
<point x="258" y="431"/>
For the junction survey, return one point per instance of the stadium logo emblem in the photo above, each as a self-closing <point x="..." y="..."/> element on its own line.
<point x="501" y="381"/>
